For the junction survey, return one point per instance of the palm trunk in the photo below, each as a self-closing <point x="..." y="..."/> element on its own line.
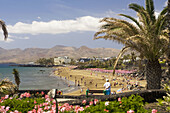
<point x="153" y="74"/>
<point x="169" y="39"/>
<point x="168" y="67"/>
<point x="117" y="59"/>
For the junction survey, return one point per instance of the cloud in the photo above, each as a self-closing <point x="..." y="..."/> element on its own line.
<point x="110" y="13"/>
<point x="6" y="41"/>
<point x="38" y="17"/>
<point x="86" y="23"/>
<point x="157" y="14"/>
<point x="166" y="3"/>
<point x="11" y="38"/>
<point x="17" y="37"/>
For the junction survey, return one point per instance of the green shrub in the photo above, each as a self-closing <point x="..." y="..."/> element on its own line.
<point x="26" y="103"/>
<point x="22" y="105"/>
<point x="166" y="99"/>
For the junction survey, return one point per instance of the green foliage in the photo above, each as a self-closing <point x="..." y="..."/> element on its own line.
<point x="22" y="105"/>
<point x="7" y="86"/>
<point x="26" y="103"/>
<point x="107" y="64"/>
<point x="134" y="102"/>
<point x="162" y="62"/>
<point x="166" y="99"/>
<point x="148" y="37"/>
<point x="44" y="61"/>
<point x="17" y="77"/>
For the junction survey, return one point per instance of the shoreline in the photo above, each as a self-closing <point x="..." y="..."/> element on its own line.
<point x="92" y="80"/>
<point x="67" y="89"/>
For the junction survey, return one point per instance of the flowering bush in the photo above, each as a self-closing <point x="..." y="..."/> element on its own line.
<point x="123" y="105"/>
<point x="26" y="104"/>
<point x="22" y="104"/>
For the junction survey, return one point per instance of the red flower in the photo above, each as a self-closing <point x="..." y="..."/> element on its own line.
<point x="46" y="96"/>
<point x="130" y="111"/>
<point x="87" y="106"/>
<point x="42" y="93"/>
<point x="84" y="102"/>
<point x="119" y="99"/>
<point x="35" y="102"/>
<point x="107" y="103"/>
<point x="154" y="110"/>
<point x="91" y="103"/>
<point x="106" y="110"/>
<point x="6" y="96"/>
<point x="95" y="101"/>
<point x="27" y="94"/>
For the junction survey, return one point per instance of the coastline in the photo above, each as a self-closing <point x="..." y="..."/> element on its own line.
<point x="33" y="78"/>
<point x="64" y="78"/>
<point x="66" y="89"/>
<point x="90" y="79"/>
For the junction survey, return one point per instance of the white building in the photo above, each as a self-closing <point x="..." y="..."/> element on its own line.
<point x="62" y="60"/>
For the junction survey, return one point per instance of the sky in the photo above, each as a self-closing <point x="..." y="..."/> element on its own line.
<point x="47" y="23"/>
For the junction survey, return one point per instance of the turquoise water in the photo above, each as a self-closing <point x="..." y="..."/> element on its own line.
<point x="36" y="78"/>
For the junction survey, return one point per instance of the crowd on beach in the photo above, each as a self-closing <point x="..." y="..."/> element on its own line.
<point x="121" y="82"/>
<point x="127" y="83"/>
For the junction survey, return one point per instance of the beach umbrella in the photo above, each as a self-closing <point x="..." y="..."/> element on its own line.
<point x="119" y="90"/>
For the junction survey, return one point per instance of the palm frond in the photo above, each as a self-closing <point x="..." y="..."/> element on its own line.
<point x="2" y="23"/>
<point x="122" y="26"/>
<point x="6" y="86"/>
<point x="100" y="32"/>
<point x="144" y="16"/>
<point x="109" y="37"/>
<point x="129" y="27"/>
<point x="164" y="11"/>
<point x="150" y="9"/>
<point x="133" y="19"/>
<point x="159" y="24"/>
<point x="136" y="7"/>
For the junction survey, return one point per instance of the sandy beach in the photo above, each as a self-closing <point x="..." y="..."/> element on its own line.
<point x="84" y="79"/>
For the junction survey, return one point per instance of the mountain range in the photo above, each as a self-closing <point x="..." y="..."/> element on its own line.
<point x="32" y="54"/>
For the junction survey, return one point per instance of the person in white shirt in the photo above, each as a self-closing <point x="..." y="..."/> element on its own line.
<point x="107" y="86"/>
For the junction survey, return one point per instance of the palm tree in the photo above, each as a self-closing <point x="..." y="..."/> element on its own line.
<point x="146" y="37"/>
<point x="6" y="87"/>
<point x="17" y="78"/>
<point x="2" y="24"/>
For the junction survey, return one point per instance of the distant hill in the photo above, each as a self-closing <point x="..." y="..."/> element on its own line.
<point x="32" y="54"/>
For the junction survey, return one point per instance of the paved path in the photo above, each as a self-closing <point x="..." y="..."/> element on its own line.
<point x="62" y="99"/>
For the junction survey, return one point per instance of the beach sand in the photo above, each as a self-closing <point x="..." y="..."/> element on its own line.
<point x="89" y="79"/>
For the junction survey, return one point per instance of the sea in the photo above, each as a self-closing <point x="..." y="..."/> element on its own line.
<point x="33" y="78"/>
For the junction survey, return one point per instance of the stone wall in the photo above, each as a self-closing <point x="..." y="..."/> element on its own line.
<point x="148" y="95"/>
